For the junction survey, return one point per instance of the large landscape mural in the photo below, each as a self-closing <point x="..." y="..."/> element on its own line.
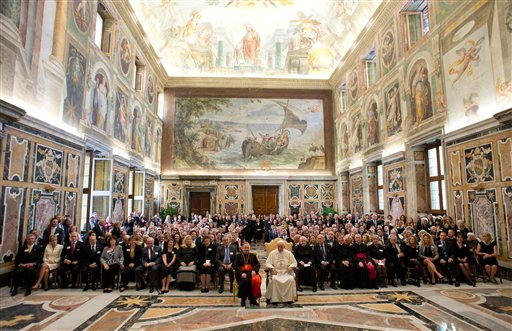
<point x="244" y="133"/>
<point x="252" y="37"/>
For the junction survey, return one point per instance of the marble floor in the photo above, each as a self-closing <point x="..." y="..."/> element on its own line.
<point x="438" y="307"/>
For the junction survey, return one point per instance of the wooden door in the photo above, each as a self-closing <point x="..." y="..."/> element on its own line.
<point x="265" y="200"/>
<point x="199" y="203"/>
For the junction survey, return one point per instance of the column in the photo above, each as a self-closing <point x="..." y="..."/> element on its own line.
<point x="344" y="196"/>
<point x="370" y="188"/>
<point x="59" y="30"/>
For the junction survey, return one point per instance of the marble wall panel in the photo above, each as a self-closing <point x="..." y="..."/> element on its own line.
<point x="70" y="205"/>
<point x="43" y="206"/>
<point x="483" y="213"/>
<point x="48" y="165"/>
<point x="505" y="158"/>
<point x="456" y="168"/>
<point x="12" y="209"/>
<point x="16" y="162"/>
<point x="507" y="212"/>
<point x="479" y="165"/>
<point x="73" y="170"/>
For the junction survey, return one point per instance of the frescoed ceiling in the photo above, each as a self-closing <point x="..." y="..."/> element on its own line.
<point x="252" y="38"/>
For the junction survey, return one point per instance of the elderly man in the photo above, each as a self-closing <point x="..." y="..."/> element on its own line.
<point x="281" y="263"/>
<point x="226" y="254"/>
<point x="26" y="263"/>
<point x="306" y="274"/>
<point x="150" y="262"/>
<point x="247" y="267"/>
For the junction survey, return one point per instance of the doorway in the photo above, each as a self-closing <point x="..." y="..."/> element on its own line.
<point x="199" y="203"/>
<point x="265" y="200"/>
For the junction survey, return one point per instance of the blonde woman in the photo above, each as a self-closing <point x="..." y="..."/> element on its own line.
<point x="429" y="254"/>
<point x="487" y="253"/>
<point x="51" y="261"/>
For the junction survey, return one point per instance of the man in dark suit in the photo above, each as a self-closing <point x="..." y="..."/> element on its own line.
<point x="446" y="262"/>
<point x="373" y="221"/>
<point x="71" y="259"/>
<point x="323" y="261"/>
<point x="150" y="262"/>
<point x="91" y="265"/>
<point x="26" y="263"/>
<point x="226" y="254"/>
<point x="306" y="273"/>
<point x="395" y="261"/>
<point x="53" y="228"/>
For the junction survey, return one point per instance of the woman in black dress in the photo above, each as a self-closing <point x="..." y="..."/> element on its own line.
<point x="487" y="253"/>
<point x="187" y="255"/>
<point x="206" y="262"/>
<point x="132" y="257"/>
<point x="462" y="257"/>
<point x="169" y="262"/>
<point x="377" y="256"/>
<point x="412" y="258"/>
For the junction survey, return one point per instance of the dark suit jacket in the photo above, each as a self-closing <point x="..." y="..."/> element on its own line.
<point x="155" y="257"/>
<point x="204" y="254"/>
<point x="136" y="257"/>
<point x="391" y="254"/>
<point x="59" y="233"/>
<point x="77" y="254"/>
<point x="304" y="254"/>
<point x="24" y="256"/>
<point x="444" y="252"/>
<point x="221" y="253"/>
<point x="90" y="256"/>
<point x="317" y="253"/>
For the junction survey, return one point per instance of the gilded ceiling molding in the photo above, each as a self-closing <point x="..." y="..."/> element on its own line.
<point x="132" y="23"/>
<point x="266" y="83"/>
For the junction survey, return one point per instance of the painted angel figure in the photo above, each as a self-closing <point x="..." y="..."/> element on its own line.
<point x="466" y="58"/>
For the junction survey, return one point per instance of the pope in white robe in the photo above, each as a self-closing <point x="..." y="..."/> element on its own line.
<point x="281" y="262"/>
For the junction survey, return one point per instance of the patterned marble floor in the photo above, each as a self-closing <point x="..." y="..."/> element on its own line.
<point x="439" y="307"/>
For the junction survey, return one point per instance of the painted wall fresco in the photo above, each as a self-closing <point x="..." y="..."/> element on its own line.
<point x="388" y="50"/>
<point x="481" y="192"/>
<point x="75" y="86"/>
<point x="393" y="113"/>
<point x="395" y="190"/>
<point x="242" y="133"/>
<point x="468" y="71"/>
<point x="218" y="38"/>
<point x="121" y="120"/>
<point x="420" y="96"/>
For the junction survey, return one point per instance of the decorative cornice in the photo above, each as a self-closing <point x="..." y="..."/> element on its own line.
<point x="504" y="117"/>
<point x="278" y="83"/>
<point x="10" y="113"/>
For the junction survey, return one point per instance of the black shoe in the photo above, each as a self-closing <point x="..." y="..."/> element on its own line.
<point x="457" y="284"/>
<point x="242" y="303"/>
<point x="254" y="303"/>
<point x="28" y="291"/>
<point x="314" y="289"/>
<point x="14" y="291"/>
<point x="105" y="290"/>
<point x="268" y="301"/>
<point x="86" y="288"/>
<point x="299" y="288"/>
<point x="403" y="282"/>
<point x="138" y="288"/>
<point x="322" y="287"/>
<point x="450" y="282"/>
<point x="151" y="289"/>
<point x="418" y="283"/>
<point x="93" y="287"/>
<point x="333" y="286"/>
<point x="221" y="290"/>
<point x="394" y="284"/>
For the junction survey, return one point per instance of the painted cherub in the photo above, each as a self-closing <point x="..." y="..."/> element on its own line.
<point x="466" y="58"/>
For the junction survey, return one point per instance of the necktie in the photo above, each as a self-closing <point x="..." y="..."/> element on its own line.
<point x="30" y="249"/>
<point x="72" y="248"/>
<point x="132" y="253"/>
<point x="397" y="249"/>
<point x="226" y="256"/>
<point x="52" y="231"/>
<point x="323" y="252"/>
<point x="150" y="253"/>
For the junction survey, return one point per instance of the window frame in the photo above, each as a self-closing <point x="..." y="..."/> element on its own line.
<point x="380" y="187"/>
<point x="440" y="178"/>
<point x="405" y="15"/>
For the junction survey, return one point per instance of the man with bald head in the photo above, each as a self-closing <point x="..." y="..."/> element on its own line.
<point x="306" y="274"/>
<point x="281" y="263"/>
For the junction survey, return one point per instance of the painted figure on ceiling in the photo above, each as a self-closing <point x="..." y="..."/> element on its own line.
<point x="249" y="47"/>
<point x="464" y="64"/>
